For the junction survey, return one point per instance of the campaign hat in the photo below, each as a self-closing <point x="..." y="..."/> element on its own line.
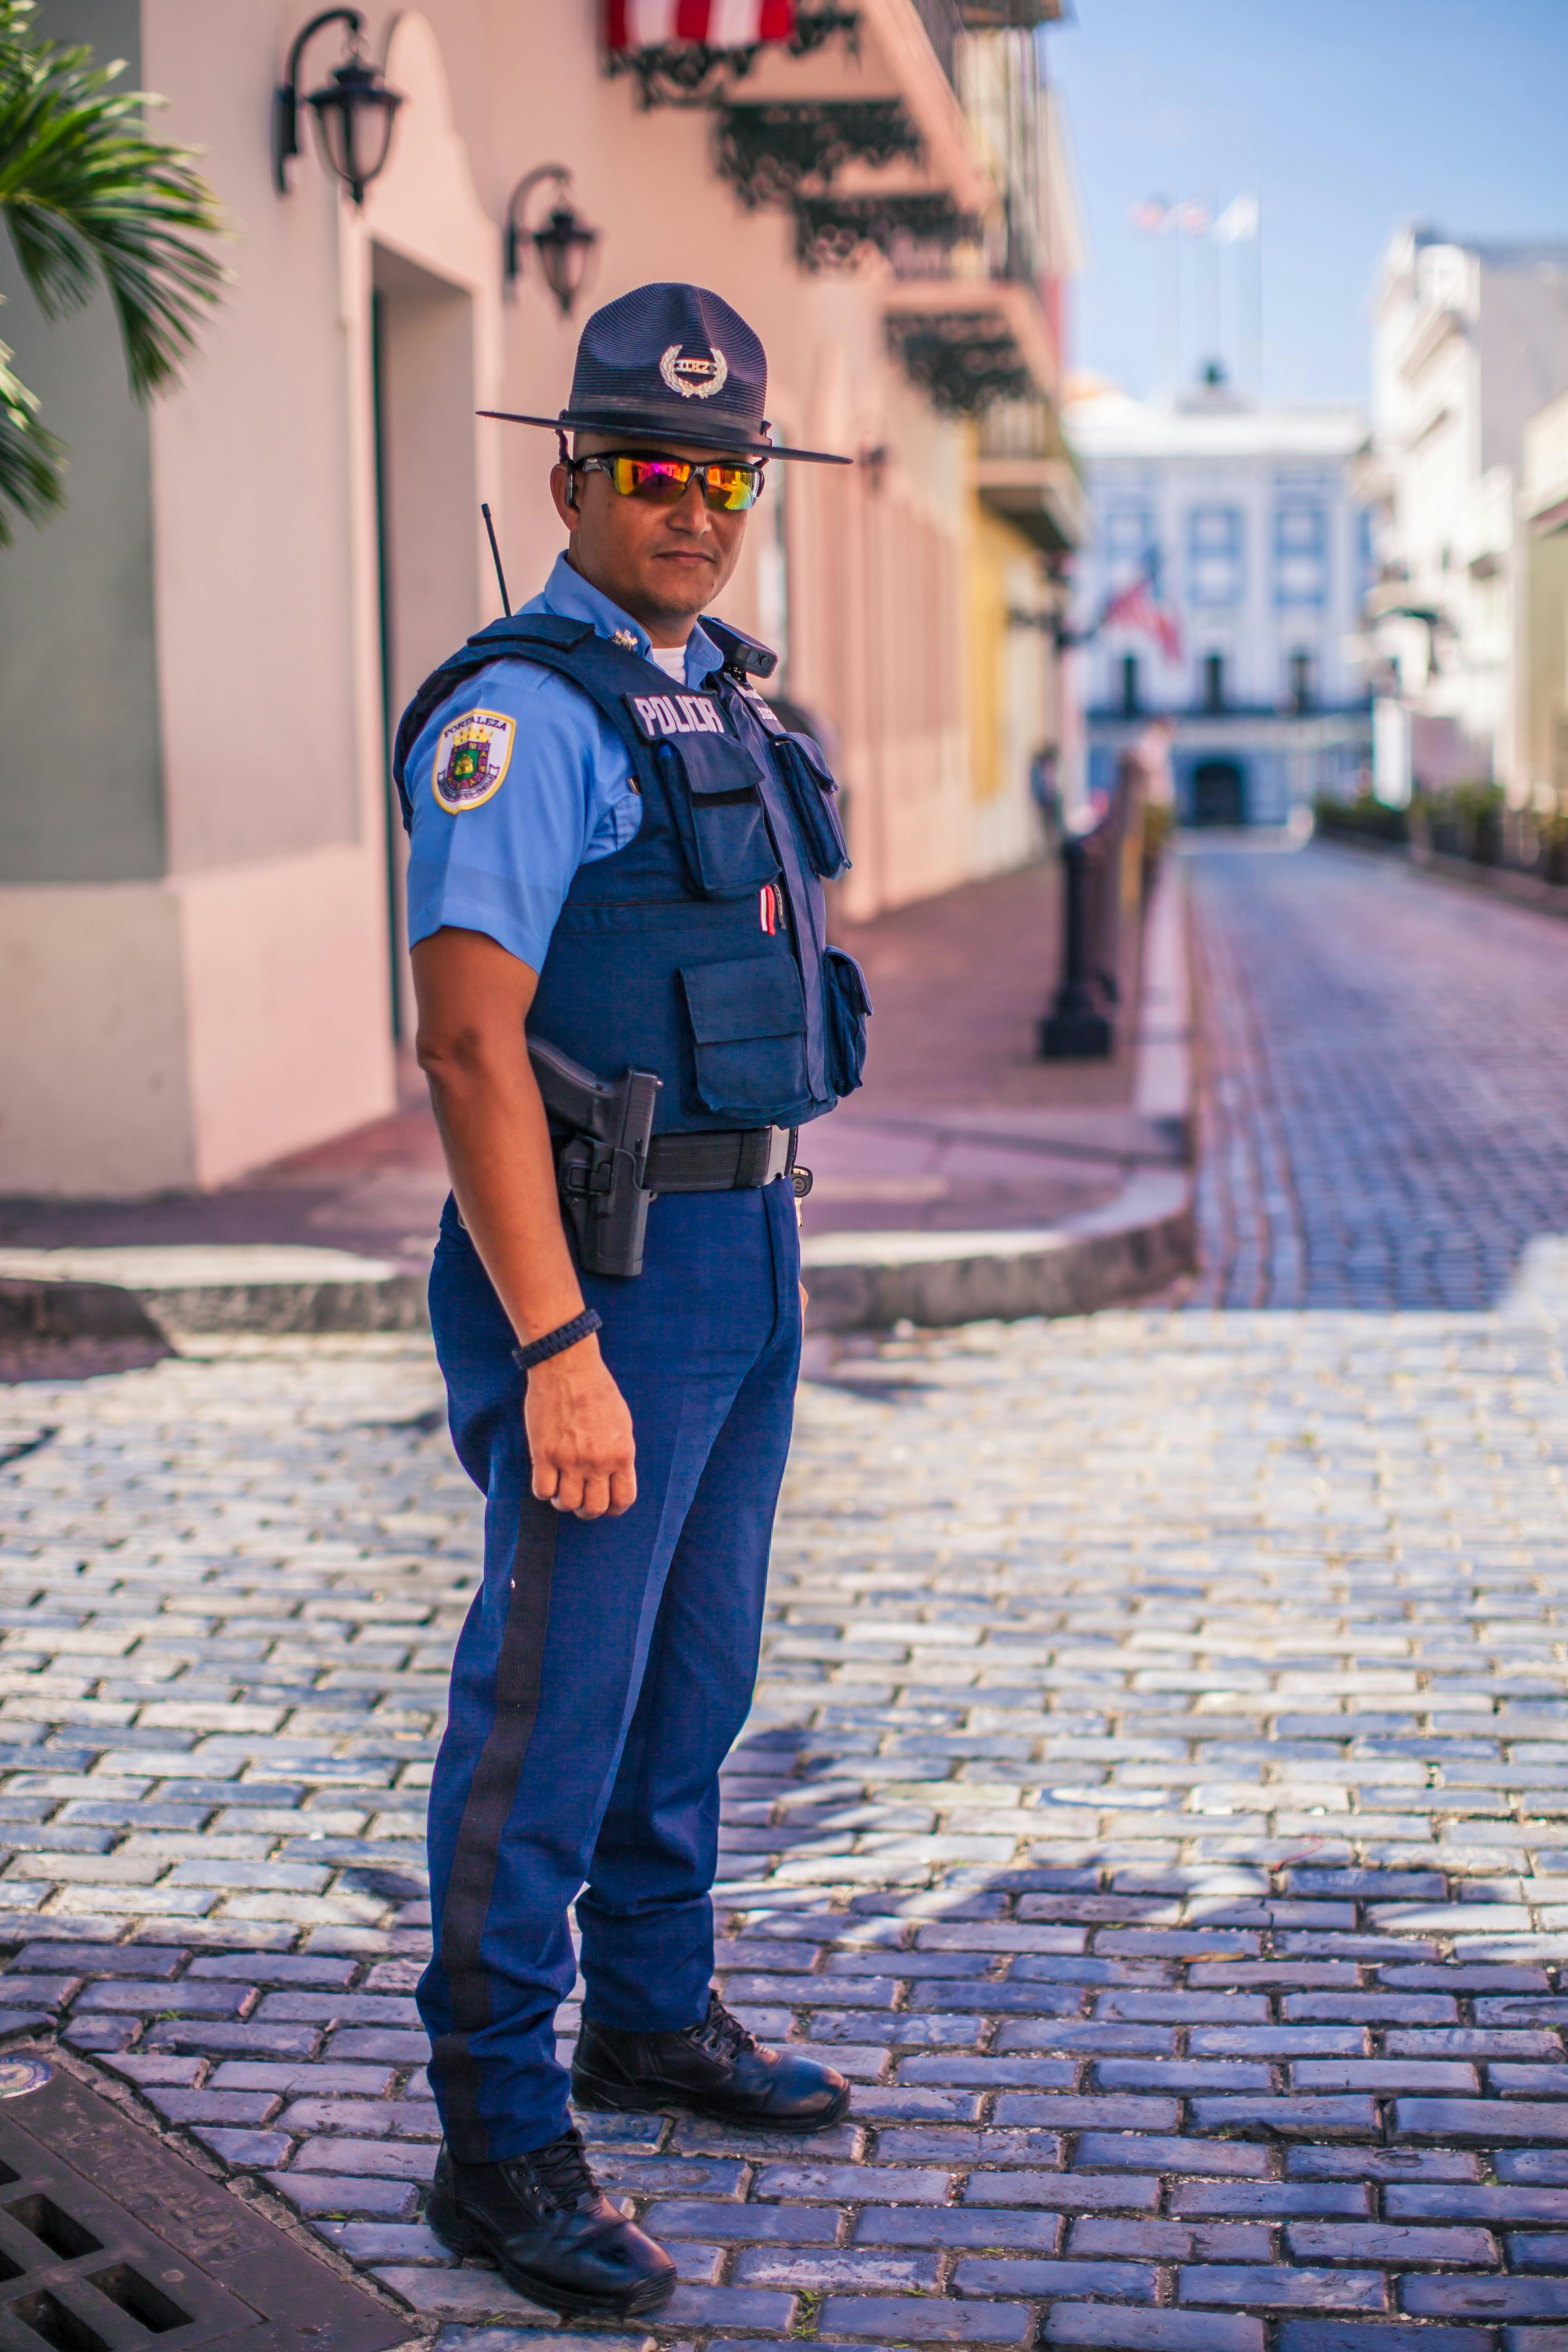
<point x="672" y="361"/>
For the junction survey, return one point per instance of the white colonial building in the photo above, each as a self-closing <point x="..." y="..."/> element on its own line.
<point x="1468" y="342"/>
<point x="1247" y="523"/>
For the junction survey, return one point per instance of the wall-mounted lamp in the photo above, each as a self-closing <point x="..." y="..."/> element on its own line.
<point x="564" y="244"/>
<point x="354" y="111"/>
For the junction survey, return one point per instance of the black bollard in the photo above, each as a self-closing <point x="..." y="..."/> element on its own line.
<point x="1079" y="1026"/>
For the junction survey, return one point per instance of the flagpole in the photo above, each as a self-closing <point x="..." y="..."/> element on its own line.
<point x="1258" y="303"/>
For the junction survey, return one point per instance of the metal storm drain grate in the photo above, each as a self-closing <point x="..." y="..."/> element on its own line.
<point x="109" y="2241"/>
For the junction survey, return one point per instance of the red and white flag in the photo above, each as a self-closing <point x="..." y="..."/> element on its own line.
<point x="1137" y="607"/>
<point x="721" y="24"/>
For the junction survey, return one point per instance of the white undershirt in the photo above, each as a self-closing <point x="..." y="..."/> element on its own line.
<point x="671" y="660"/>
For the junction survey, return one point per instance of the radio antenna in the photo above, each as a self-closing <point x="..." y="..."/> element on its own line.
<point x="495" y="558"/>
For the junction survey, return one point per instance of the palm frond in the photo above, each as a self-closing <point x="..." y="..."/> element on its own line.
<point x="87" y="196"/>
<point x="30" y="456"/>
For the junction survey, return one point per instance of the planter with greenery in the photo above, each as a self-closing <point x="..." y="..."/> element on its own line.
<point x="1365" y="818"/>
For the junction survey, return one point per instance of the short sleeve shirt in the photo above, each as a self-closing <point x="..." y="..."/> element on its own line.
<point x="517" y="782"/>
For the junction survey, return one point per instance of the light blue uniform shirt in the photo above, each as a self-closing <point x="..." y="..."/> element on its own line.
<point x="500" y="857"/>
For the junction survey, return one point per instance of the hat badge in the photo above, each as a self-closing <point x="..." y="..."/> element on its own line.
<point x="696" y="379"/>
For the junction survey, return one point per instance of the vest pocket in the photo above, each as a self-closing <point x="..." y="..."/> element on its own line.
<point x="719" y="816"/>
<point x="748" y="1035"/>
<point x="845" y="1005"/>
<point x="814" y="798"/>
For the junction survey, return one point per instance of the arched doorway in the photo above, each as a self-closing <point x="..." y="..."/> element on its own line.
<point x="1218" y="793"/>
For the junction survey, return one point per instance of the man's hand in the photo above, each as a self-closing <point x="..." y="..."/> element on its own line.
<point x="579" y="1435"/>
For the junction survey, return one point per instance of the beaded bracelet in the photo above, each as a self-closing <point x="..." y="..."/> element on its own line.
<point x="565" y="1335"/>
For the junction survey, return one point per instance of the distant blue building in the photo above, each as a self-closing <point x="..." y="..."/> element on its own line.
<point x="1247" y="523"/>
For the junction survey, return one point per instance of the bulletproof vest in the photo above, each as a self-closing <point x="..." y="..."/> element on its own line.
<point x="699" y="950"/>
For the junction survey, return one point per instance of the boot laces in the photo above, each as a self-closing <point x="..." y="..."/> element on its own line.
<point x="723" y="2034"/>
<point x="562" y="2171"/>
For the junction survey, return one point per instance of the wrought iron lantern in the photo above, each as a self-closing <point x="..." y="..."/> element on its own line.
<point x="563" y="243"/>
<point x="354" y="111"/>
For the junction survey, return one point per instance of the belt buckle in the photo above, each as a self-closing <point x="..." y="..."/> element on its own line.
<point x="780" y="1142"/>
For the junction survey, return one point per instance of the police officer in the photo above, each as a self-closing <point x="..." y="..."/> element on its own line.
<point x="616" y="845"/>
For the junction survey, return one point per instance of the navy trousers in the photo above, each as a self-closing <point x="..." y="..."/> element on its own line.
<point x="605" y="1666"/>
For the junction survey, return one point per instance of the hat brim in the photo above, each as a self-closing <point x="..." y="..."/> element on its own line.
<point x="647" y="426"/>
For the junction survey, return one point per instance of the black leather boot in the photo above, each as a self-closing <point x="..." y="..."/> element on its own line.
<point x="716" y="2068"/>
<point x="547" y="2226"/>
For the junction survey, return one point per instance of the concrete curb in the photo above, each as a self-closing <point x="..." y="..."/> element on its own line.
<point x="177" y="1293"/>
<point x="1136" y="1244"/>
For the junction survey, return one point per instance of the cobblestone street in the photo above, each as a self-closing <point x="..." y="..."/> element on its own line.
<point x="1157" y="1795"/>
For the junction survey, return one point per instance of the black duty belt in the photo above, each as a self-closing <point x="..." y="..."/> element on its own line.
<point x="722" y="1160"/>
<point x="729" y="1159"/>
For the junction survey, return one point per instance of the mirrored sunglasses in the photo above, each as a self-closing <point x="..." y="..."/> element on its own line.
<point x="728" y="489"/>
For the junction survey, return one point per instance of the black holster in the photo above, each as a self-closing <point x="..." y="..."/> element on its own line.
<point x="600" y="1166"/>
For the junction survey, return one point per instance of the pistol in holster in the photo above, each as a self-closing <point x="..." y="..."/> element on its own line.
<point x="601" y="1167"/>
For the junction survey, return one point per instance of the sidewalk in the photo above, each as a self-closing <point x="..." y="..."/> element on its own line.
<point x="959" y="1129"/>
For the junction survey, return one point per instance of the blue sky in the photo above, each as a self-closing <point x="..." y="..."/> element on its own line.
<point x="1344" y="116"/>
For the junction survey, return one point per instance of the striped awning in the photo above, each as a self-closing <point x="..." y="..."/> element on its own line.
<point x="631" y="24"/>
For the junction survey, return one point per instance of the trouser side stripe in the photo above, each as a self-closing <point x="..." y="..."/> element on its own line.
<point x="489" y="1803"/>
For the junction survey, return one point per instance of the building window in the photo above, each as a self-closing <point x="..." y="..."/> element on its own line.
<point x="1300" y="554"/>
<point x="1301" y="685"/>
<point x="1214" y="681"/>
<point x="1130" y="703"/>
<point x="1213" y="556"/>
<point x="1128" y="543"/>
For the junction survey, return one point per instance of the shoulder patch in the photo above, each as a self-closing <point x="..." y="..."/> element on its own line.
<point x="472" y="756"/>
<point x="675" y="714"/>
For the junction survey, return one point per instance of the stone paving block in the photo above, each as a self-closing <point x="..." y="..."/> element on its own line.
<point x="1338" y="2241"/>
<point x="961" y="2226"/>
<point x="1275" y="2199"/>
<point x="215" y="2036"/>
<point x="1487" y="2121"/>
<point x="1353" y="2336"/>
<point x="128" y="1995"/>
<point x="897" y="2321"/>
<point x="1106" y="2151"/>
<point x="847" y="2183"/>
<point x="1285" y="2117"/>
<point x="1392" y="2164"/>
<point x="1127" y="2282"/>
<point x="505" y="2339"/>
<point x="728" y="2306"/>
<point x="181" y="2107"/>
<point x="249" y="2150"/>
<point x="1502" y="2201"/>
<point x="460" y="2295"/>
<point x="1107" y="2329"/>
<point x="1270" y="2286"/>
<point x="1544" y="2250"/>
<point x="373" y="2159"/>
<point x="857" y="2269"/>
<point x="1434" y="2295"/>
<point x="1071" y="2192"/>
<point x="330" y="2194"/>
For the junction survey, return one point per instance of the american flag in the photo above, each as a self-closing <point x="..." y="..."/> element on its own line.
<point x="720" y="24"/>
<point x="1138" y="607"/>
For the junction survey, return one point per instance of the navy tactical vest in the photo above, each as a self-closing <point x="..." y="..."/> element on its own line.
<point x="699" y="950"/>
